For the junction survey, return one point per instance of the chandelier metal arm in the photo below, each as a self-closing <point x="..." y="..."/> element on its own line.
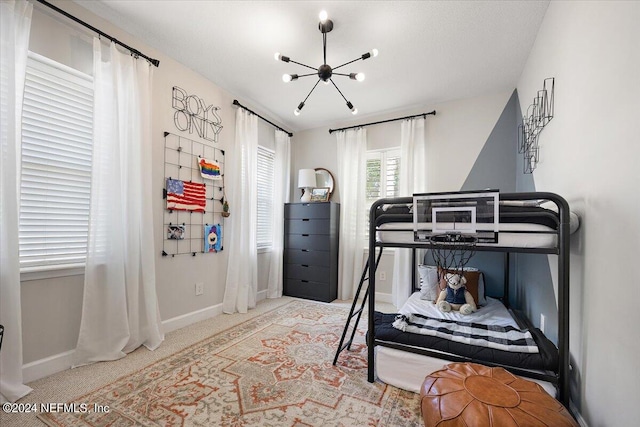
<point x="346" y="63"/>
<point x="334" y="85"/>
<point x="312" y="89"/>
<point x="304" y="65"/>
<point x="341" y="74"/>
<point x="324" y="47"/>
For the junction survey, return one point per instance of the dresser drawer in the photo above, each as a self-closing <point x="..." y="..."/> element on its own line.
<point x="308" y="257"/>
<point x="319" y="242"/>
<point x="309" y="290"/>
<point x="310" y="273"/>
<point x="307" y="226"/>
<point x="307" y="210"/>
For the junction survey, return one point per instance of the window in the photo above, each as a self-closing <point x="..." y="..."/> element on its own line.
<point x="383" y="177"/>
<point x="383" y="174"/>
<point x="265" y="197"/>
<point x="57" y="130"/>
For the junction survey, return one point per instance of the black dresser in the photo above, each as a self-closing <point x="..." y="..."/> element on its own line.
<point x="311" y="233"/>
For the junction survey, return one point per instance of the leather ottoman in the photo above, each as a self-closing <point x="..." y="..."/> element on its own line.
<point x="468" y="394"/>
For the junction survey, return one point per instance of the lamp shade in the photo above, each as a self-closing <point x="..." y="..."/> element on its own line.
<point x="306" y="178"/>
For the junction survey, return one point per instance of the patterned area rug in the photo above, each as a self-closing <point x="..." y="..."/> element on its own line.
<point x="273" y="370"/>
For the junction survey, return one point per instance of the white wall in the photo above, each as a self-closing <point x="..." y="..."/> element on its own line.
<point x="52" y="307"/>
<point x="589" y="154"/>
<point x="456" y="134"/>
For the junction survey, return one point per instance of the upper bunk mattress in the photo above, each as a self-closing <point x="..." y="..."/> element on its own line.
<point x="519" y="227"/>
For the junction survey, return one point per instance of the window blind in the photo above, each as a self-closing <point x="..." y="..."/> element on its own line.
<point x="383" y="177"/>
<point x="392" y="175"/>
<point x="57" y="130"/>
<point x="383" y="174"/>
<point x="265" y="197"/>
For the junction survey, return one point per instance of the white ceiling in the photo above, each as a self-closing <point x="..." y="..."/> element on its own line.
<point x="430" y="51"/>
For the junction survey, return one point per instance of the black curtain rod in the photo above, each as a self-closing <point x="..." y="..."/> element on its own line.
<point x="432" y="113"/>
<point x="235" y="102"/>
<point x="94" y="29"/>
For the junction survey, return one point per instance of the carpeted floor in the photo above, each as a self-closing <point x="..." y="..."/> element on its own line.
<point x="271" y="366"/>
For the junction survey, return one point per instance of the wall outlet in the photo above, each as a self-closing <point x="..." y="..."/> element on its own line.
<point x="383" y="275"/>
<point x="542" y="322"/>
<point x="199" y="289"/>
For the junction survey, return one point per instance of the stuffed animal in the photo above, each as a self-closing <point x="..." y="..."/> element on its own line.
<point x="456" y="296"/>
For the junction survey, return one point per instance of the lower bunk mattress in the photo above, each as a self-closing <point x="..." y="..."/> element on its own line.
<point x="546" y="359"/>
<point x="408" y="370"/>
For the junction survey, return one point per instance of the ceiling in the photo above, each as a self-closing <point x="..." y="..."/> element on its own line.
<point x="430" y="51"/>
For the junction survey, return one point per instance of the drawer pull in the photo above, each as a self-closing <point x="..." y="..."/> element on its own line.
<point x="305" y="219"/>
<point x="304" y="250"/>
<point x="304" y="281"/>
<point x="305" y="266"/>
<point x="305" y="235"/>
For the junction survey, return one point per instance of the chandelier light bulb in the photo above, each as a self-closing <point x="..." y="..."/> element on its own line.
<point x="296" y="112"/>
<point x="371" y="54"/>
<point x="353" y="109"/>
<point x="286" y="78"/>
<point x="279" y="57"/>
<point x="323" y="16"/>
<point x="357" y="76"/>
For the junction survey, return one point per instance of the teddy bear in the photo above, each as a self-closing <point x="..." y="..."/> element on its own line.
<point x="456" y="296"/>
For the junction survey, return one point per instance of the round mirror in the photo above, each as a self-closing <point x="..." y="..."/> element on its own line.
<point x="324" y="179"/>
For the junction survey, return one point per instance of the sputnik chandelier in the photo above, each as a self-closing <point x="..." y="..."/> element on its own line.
<point x="325" y="72"/>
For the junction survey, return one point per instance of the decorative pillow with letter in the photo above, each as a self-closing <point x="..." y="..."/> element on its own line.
<point x="429" y="286"/>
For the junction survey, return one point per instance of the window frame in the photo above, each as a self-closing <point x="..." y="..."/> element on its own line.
<point x="265" y="245"/>
<point x="384" y="155"/>
<point x="38" y="64"/>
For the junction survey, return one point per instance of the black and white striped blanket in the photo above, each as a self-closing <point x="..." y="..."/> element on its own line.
<point x="505" y="338"/>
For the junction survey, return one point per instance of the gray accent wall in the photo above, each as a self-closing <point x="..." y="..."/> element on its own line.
<point x="500" y="166"/>
<point x="533" y="291"/>
<point x="495" y="168"/>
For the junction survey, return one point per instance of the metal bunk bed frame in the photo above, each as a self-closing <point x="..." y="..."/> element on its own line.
<point x="559" y="379"/>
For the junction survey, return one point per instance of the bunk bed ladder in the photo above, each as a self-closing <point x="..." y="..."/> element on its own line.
<point x="356" y="313"/>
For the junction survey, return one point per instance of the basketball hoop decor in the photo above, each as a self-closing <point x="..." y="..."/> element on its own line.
<point x="452" y="224"/>
<point x="452" y="251"/>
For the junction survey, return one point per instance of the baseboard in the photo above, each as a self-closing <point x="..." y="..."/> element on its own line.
<point x="42" y="368"/>
<point x="48" y="366"/>
<point x="577" y="414"/>
<point x="183" y="320"/>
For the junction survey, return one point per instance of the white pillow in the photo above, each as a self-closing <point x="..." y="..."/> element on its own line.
<point x="429" y="284"/>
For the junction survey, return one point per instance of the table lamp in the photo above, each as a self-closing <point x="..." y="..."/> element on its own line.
<point x="307" y="181"/>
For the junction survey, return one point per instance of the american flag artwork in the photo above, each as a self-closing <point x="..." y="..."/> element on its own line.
<point x="185" y="196"/>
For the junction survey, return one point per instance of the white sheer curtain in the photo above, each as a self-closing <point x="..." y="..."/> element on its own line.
<point x="281" y="186"/>
<point x="120" y="306"/>
<point x="16" y="25"/>
<point x="352" y="161"/>
<point x="413" y="179"/>
<point x="241" y="287"/>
